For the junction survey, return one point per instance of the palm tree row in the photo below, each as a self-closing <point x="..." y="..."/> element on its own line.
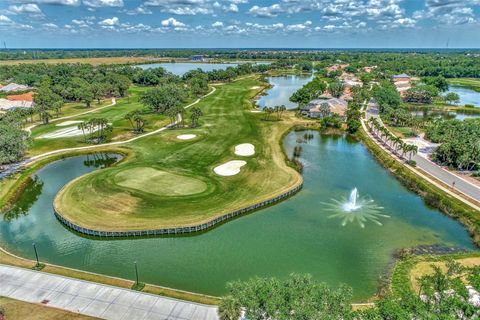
<point x="391" y="140"/>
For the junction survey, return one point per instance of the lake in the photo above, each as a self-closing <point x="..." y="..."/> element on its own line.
<point x="304" y="234"/>
<point x="282" y="89"/>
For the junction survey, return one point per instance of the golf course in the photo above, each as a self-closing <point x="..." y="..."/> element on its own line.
<point x="165" y="181"/>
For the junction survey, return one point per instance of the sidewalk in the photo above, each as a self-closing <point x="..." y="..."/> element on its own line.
<point x="96" y="300"/>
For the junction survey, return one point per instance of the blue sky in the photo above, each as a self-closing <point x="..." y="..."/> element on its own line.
<point x="239" y="23"/>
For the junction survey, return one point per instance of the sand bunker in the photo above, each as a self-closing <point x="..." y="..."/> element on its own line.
<point x="67" y="123"/>
<point x="68" y="132"/>
<point x="255" y="87"/>
<point x="229" y="168"/>
<point x="245" y="149"/>
<point x="256" y="111"/>
<point x="186" y="136"/>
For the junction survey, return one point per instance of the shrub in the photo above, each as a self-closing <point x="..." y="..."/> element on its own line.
<point x="412" y="163"/>
<point x="469" y="105"/>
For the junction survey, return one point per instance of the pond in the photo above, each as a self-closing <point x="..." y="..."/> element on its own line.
<point x="180" y="68"/>
<point x="304" y="234"/>
<point x="282" y="90"/>
<point x="448" y="115"/>
<point x="467" y="96"/>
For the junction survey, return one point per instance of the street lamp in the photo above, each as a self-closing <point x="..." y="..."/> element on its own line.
<point x="36" y="254"/>
<point x="136" y="272"/>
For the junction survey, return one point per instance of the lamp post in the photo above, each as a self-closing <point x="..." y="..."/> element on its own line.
<point x="136" y="272"/>
<point x="36" y="254"/>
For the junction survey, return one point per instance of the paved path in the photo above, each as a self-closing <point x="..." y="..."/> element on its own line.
<point x="94" y="299"/>
<point x="467" y="188"/>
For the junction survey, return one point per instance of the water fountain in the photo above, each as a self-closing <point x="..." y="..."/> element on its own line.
<point x="356" y="209"/>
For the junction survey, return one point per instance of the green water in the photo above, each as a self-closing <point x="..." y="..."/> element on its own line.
<point x="296" y="235"/>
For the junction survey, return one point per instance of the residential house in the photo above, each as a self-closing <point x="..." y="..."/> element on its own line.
<point x="322" y="108"/>
<point x="12" y="87"/>
<point x="402" y="82"/>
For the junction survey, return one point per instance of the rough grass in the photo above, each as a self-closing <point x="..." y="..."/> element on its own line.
<point x="227" y="122"/>
<point x="122" y="129"/>
<point x="151" y="180"/>
<point x="19" y="310"/>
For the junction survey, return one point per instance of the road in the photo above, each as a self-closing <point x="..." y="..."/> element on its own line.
<point x="465" y="187"/>
<point x="96" y="300"/>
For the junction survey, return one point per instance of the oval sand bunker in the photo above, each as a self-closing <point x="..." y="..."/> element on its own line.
<point x="229" y="168"/>
<point x="245" y="149"/>
<point x="186" y="136"/>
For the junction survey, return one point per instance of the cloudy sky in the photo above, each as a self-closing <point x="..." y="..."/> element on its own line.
<point x="239" y="23"/>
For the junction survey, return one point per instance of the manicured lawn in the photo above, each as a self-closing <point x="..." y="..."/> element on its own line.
<point x="19" y="310"/>
<point x="100" y="201"/>
<point x="122" y="129"/>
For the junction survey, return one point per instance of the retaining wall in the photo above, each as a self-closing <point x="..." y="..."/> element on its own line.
<point x="179" y="230"/>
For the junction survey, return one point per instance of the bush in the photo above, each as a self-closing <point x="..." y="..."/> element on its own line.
<point x="469" y="105"/>
<point x="412" y="163"/>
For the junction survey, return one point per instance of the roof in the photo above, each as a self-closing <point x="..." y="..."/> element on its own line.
<point x="403" y="75"/>
<point x="21" y="97"/>
<point x="9" y="105"/>
<point x="336" y="105"/>
<point x="14" y="87"/>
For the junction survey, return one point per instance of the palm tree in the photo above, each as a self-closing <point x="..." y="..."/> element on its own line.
<point x="82" y="126"/>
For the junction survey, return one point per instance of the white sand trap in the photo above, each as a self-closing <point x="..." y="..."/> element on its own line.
<point x="229" y="168"/>
<point x="186" y="136"/>
<point x="67" y="133"/>
<point x="255" y="87"/>
<point x="256" y="111"/>
<point x="245" y="149"/>
<point x="67" y="123"/>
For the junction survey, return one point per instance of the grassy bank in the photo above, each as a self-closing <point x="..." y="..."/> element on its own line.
<point x="92" y="61"/>
<point x="121" y="194"/>
<point x="432" y="195"/>
<point x="408" y="269"/>
<point x="19" y="310"/>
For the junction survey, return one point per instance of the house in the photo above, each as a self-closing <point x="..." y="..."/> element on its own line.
<point x="197" y="58"/>
<point x="6" y="105"/>
<point x="369" y="69"/>
<point x="11" y="87"/>
<point x="322" y="108"/>
<point x="402" y="78"/>
<point x="336" y="67"/>
<point x="402" y="82"/>
<point x="21" y="97"/>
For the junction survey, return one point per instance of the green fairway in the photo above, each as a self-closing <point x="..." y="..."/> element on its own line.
<point x="142" y="193"/>
<point x="115" y="115"/>
<point x="151" y="180"/>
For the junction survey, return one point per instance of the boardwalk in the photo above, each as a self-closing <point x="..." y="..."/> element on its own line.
<point x="94" y="299"/>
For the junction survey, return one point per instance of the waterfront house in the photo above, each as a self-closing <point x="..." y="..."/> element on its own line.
<point x="320" y="108"/>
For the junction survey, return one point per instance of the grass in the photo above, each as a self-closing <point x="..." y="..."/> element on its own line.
<point x="227" y="121"/>
<point x="161" y="183"/>
<point x="470" y="83"/>
<point x="19" y="310"/>
<point x="409" y="269"/>
<point x="122" y="129"/>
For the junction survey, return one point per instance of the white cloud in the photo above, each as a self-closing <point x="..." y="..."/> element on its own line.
<point x="50" y="25"/>
<point x="172" y="22"/>
<point x="59" y="2"/>
<point x="103" y="3"/>
<point x="270" y="11"/>
<point x="110" y="22"/>
<point x="217" y="24"/>
<point x="5" y="20"/>
<point x="29" y="8"/>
